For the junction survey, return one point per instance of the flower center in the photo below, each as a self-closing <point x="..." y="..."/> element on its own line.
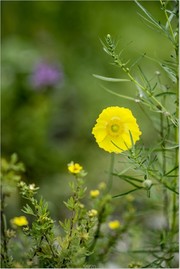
<point x="115" y="128"/>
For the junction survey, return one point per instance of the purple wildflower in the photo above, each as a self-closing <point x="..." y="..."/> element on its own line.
<point x="46" y="74"/>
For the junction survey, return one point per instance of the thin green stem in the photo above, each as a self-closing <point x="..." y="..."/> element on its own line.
<point x="51" y="248"/>
<point x="165" y="194"/>
<point x="97" y="232"/>
<point x="111" y="168"/>
<point x="174" y="206"/>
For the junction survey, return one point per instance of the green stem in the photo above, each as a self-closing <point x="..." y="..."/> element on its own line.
<point x="111" y="168"/>
<point x="165" y="194"/>
<point x="97" y="233"/>
<point x="174" y="206"/>
<point x="51" y="248"/>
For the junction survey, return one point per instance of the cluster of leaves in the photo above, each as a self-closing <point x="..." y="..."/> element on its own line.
<point x="82" y="240"/>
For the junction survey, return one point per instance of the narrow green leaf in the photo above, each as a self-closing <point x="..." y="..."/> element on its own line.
<point x="119" y="95"/>
<point x="130" y="182"/>
<point x="128" y="177"/>
<point x="125" y="193"/>
<point x="170" y="72"/>
<point x="150" y="23"/>
<point x="154" y="21"/>
<point x="110" y="79"/>
<point x="165" y="93"/>
<point x="170" y="171"/>
<point x="171" y="189"/>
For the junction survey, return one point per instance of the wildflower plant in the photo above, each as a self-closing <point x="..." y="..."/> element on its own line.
<point x="100" y="219"/>
<point x="85" y="239"/>
<point x="155" y="169"/>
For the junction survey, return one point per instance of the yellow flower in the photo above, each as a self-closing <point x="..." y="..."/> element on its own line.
<point x="113" y="128"/>
<point x="115" y="224"/>
<point x="92" y="213"/>
<point x="94" y="193"/>
<point x="74" y="168"/>
<point x="20" y="221"/>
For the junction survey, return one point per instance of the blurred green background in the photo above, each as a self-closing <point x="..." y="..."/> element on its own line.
<point x="50" y="126"/>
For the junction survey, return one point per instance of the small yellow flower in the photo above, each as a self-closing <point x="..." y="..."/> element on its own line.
<point x="92" y="213"/>
<point x="115" y="224"/>
<point x="74" y="168"/>
<point x="94" y="193"/>
<point x="20" y="221"/>
<point x="113" y="128"/>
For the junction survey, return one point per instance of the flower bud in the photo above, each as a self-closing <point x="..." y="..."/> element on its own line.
<point x="147" y="184"/>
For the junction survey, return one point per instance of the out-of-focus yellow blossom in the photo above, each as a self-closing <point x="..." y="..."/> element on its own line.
<point x="135" y="265"/>
<point x="20" y="221"/>
<point x="130" y="197"/>
<point x="102" y="185"/>
<point x="92" y="213"/>
<point x="81" y="205"/>
<point x="74" y="168"/>
<point x="94" y="193"/>
<point x="115" y="129"/>
<point x="113" y="225"/>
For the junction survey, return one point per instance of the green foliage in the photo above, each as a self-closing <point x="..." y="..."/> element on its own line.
<point x="155" y="168"/>
<point x="82" y="240"/>
<point x="147" y="229"/>
<point x="10" y="175"/>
